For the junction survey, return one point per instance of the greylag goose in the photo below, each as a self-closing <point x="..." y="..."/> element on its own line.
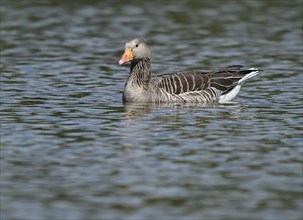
<point x="192" y="86"/>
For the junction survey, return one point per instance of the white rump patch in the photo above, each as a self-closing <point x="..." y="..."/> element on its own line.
<point x="230" y="95"/>
<point x="234" y="92"/>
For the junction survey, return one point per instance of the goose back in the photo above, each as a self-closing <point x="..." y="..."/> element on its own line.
<point x="199" y="85"/>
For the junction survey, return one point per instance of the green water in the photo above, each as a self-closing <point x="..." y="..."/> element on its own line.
<point x="71" y="150"/>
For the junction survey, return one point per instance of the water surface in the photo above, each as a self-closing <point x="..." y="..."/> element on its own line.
<point x="71" y="150"/>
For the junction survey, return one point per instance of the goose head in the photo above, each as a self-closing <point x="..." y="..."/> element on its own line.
<point x="134" y="50"/>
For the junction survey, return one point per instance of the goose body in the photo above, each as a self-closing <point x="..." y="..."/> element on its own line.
<point x="195" y="86"/>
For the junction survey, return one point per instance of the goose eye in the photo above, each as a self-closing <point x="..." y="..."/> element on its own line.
<point x="137" y="45"/>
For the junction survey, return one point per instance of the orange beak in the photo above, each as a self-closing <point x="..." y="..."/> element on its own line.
<point x="127" y="56"/>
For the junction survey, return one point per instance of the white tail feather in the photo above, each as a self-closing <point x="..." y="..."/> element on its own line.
<point x="234" y="92"/>
<point x="246" y="77"/>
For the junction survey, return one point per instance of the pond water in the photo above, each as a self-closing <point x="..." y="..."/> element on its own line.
<point x="71" y="150"/>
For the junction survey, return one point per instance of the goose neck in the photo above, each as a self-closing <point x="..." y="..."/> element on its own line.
<point x="140" y="72"/>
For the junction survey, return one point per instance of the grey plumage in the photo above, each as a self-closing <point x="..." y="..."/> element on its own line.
<point x="182" y="87"/>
